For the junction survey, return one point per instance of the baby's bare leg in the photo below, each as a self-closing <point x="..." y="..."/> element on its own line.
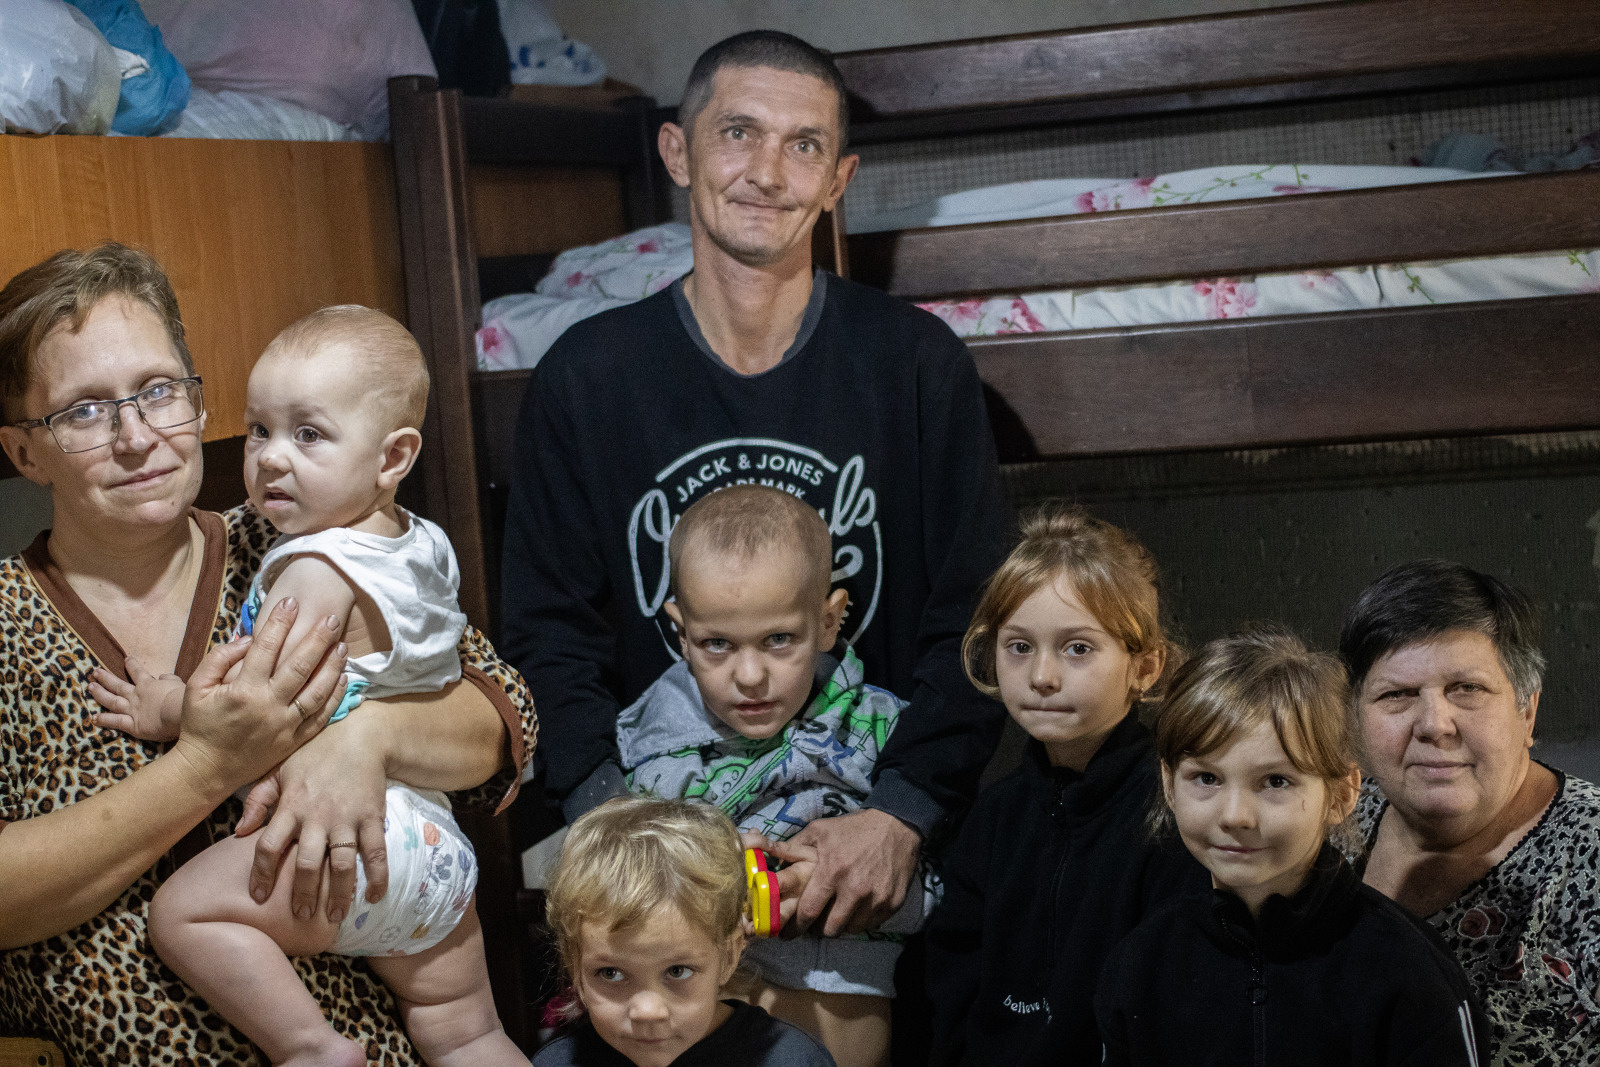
<point x="234" y="952"/>
<point x="855" y="1029"/>
<point x="446" y="1003"/>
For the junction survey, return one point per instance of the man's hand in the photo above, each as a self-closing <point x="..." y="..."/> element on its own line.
<point x="863" y="861"/>
<point x="149" y="707"/>
<point x="329" y="797"/>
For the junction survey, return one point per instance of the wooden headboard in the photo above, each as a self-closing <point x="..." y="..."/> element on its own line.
<point x="254" y="234"/>
<point x="1297" y="53"/>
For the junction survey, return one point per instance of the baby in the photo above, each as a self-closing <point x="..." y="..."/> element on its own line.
<point x="332" y="413"/>
<point x="761" y="721"/>
<point x="646" y="910"/>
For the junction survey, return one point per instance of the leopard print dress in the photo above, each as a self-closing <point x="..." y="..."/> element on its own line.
<point x="1527" y="934"/>
<point x="99" y="990"/>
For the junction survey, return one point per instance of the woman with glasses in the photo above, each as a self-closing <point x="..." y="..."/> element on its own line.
<point x="101" y="404"/>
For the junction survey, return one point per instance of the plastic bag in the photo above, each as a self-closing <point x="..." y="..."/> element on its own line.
<point x="151" y="98"/>
<point x="57" y="72"/>
<point x="333" y="57"/>
<point x="540" y="53"/>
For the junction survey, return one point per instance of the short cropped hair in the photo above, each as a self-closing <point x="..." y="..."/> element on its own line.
<point x="64" y="289"/>
<point x="761" y="48"/>
<point x="1110" y="571"/>
<point x="746" y="521"/>
<point x="632" y="856"/>
<point x="1263" y="674"/>
<point x="391" y="356"/>
<point x="1423" y="600"/>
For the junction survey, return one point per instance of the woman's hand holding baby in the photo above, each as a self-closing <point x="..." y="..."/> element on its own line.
<point x="327" y="794"/>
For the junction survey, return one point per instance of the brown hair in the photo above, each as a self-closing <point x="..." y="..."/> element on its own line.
<point x="397" y="371"/>
<point x="744" y="521"/>
<point x="631" y="856"/>
<point x="1261" y="674"/>
<point x="1111" y="572"/>
<point x="64" y="289"/>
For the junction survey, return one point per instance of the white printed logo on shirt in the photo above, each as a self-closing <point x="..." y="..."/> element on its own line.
<point x="838" y="491"/>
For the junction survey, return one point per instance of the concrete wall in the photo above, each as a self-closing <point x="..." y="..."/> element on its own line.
<point x="653" y="43"/>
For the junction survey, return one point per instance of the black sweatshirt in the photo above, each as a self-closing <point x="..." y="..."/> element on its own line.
<point x="747" y="1038"/>
<point x="1337" y="976"/>
<point x="1050" y="871"/>
<point x="875" y="416"/>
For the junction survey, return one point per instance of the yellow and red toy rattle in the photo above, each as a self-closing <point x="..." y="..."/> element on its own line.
<point x="762" y="883"/>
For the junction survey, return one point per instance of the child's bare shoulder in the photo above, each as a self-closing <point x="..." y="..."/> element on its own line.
<point x="313" y="578"/>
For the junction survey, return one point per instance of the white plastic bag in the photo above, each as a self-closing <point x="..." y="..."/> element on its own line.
<point x="58" y="74"/>
<point x="540" y="53"/>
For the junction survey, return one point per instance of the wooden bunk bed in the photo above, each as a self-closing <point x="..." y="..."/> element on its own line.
<point x="1472" y="368"/>
<point x="490" y="190"/>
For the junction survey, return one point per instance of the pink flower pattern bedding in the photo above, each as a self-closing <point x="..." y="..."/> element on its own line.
<point x="518" y="329"/>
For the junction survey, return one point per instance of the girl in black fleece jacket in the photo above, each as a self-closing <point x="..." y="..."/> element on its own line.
<point x="1054" y="864"/>
<point x="1292" y="960"/>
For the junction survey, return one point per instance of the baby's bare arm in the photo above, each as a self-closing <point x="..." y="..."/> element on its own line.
<point x="322" y="590"/>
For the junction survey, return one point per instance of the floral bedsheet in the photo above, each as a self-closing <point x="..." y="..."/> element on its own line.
<point x="1294" y="293"/>
<point x="517" y="330"/>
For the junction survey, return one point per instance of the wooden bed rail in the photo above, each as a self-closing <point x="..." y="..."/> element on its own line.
<point x="431" y="189"/>
<point x="1300" y="52"/>
<point x="1393" y="224"/>
<point x="1507" y="366"/>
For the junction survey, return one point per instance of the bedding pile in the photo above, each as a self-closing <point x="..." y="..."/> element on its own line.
<point x="519" y="329"/>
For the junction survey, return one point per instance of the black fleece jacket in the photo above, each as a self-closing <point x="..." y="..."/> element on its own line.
<point x="875" y="417"/>
<point x="1336" y="976"/>
<point x="1050" y="871"/>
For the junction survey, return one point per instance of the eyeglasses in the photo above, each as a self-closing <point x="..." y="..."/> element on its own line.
<point x="95" y="424"/>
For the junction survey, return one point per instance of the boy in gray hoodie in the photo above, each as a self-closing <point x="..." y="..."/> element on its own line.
<point x="761" y="720"/>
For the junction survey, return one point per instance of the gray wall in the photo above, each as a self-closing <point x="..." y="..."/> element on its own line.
<point x="1291" y="536"/>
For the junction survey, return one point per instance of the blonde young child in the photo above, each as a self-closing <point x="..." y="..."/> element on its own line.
<point x="762" y="721"/>
<point x="646" y="906"/>
<point x="1053" y="865"/>
<point x="332" y="412"/>
<point x="1291" y="960"/>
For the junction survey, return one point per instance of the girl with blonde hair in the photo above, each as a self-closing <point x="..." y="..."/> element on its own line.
<point x="1054" y="863"/>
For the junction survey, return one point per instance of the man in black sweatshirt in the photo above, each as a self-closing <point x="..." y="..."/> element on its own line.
<point x="759" y="368"/>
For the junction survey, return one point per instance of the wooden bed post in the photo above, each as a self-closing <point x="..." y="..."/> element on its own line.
<point x="441" y="306"/>
<point x="644" y="188"/>
<point x="829" y="249"/>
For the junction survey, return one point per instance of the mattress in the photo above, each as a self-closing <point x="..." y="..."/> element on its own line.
<point x="518" y="329"/>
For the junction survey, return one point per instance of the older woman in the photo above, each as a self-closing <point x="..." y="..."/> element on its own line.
<point x="102" y="406"/>
<point x="1498" y="851"/>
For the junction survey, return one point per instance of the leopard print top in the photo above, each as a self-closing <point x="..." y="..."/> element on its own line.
<point x="1527" y="934"/>
<point x="98" y="990"/>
